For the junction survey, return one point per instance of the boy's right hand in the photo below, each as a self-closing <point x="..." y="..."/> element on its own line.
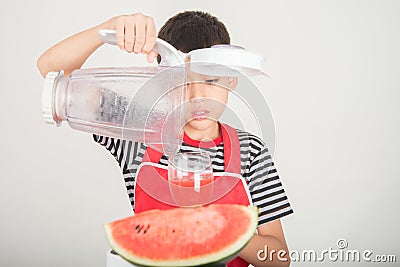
<point x="135" y="33"/>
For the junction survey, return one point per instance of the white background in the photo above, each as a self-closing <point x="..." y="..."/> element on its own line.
<point x="334" y="95"/>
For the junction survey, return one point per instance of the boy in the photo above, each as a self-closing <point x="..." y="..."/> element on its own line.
<point x="188" y="31"/>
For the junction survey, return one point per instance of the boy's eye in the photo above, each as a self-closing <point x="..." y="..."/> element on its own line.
<point x="211" y="80"/>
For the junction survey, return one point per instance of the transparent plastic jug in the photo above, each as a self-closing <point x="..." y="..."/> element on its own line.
<point x="143" y="104"/>
<point x="137" y="103"/>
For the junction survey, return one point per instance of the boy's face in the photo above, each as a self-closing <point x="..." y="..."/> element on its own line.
<point x="207" y="97"/>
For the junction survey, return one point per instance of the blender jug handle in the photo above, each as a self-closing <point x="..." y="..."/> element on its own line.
<point x="170" y="56"/>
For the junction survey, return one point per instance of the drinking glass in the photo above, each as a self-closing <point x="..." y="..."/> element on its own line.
<point x="190" y="177"/>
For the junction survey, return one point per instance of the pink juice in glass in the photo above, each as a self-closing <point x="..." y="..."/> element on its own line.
<point x="192" y="189"/>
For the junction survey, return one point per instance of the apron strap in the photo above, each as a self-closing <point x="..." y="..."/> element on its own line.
<point x="231" y="150"/>
<point x="152" y="155"/>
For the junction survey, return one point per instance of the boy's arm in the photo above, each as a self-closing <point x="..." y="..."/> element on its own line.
<point x="135" y="33"/>
<point x="272" y="236"/>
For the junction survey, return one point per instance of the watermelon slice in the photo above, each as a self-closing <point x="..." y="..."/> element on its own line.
<point x="197" y="236"/>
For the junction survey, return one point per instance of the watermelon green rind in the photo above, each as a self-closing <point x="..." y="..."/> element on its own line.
<point x="214" y="259"/>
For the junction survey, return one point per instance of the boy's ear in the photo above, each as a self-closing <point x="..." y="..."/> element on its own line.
<point x="233" y="82"/>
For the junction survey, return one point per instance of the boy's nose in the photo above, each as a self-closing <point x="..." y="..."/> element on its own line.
<point x="195" y="90"/>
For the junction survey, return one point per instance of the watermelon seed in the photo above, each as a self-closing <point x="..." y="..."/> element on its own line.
<point x="139" y="228"/>
<point x="173" y="230"/>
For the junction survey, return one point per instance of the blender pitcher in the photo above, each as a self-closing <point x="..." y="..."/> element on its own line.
<point x="141" y="104"/>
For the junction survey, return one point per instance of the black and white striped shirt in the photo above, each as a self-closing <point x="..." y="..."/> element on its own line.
<point x="257" y="168"/>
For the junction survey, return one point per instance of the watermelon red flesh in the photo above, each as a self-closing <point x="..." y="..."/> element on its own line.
<point x="183" y="236"/>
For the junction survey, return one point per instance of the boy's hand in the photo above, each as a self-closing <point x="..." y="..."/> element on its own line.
<point x="135" y="33"/>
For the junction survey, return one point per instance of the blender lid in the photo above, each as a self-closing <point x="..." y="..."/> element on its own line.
<point x="226" y="60"/>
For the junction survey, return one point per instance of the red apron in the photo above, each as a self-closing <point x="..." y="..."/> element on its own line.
<point x="152" y="186"/>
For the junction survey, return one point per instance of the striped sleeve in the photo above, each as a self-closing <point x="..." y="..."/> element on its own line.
<point x="266" y="188"/>
<point x="123" y="151"/>
<point x="129" y="173"/>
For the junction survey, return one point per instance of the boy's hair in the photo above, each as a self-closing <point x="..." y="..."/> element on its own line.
<point x="191" y="30"/>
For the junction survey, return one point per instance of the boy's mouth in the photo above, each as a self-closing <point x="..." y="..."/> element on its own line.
<point x="200" y="114"/>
